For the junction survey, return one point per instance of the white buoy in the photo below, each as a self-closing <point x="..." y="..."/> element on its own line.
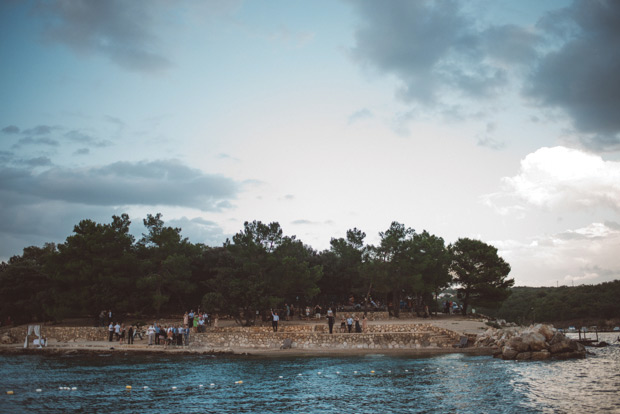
<point x="145" y="387"/>
<point x="73" y="388"/>
<point x="319" y="373"/>
<point x="337" y="372"/>
<point x="389" y="372"/>
<point x="299" y="375"/>
<point x="355" y="372"/>
<point x="212" y="385"/>
<point x="174" y="388"/>
<point x="280" y="377"/>
<point x="200" y="386"/>
<point x="39" y="390"/>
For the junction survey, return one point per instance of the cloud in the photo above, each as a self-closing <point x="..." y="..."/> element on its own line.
<point x="548" y="179"/>
<point x="437" y="50"/>
<point x="10" y="129"/>
<point x="38" y="130"/>
<point x="360" y="115"/>
<point x="85" y="139"/>
<point x="37" y="141"/>
<point x="38" y="162"/>
<point x="162" y="182"/>
<point x="82" y="151"/>
<point x="124" y="32"/>
<point x="584" y="255"/>
<point x="580" y="74"/>
<point x="199" y="230"/>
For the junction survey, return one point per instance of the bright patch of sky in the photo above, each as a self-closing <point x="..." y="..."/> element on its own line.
<point x="497" y="120"/>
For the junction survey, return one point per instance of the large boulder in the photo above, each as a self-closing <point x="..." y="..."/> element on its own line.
<point x="535" y="341"/>
<point x="517" y="343"/>
<point x="7" y="339"/>
<point x="509" y="353"/>
<point x="541" y="355"/>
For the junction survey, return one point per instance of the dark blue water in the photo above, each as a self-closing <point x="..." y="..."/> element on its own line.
<point x="444" y="384"/>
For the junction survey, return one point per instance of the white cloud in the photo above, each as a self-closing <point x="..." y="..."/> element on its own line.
<point x="583" y="255"/>
<point x="560" y="177"/>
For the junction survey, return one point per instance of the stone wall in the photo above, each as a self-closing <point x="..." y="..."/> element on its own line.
<point x="60" y="334"/>
<point x="406" y="337"/>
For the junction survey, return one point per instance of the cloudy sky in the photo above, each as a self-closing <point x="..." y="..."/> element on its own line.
<point x="497" y="120"/>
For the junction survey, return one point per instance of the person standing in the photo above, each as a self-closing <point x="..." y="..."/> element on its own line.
<point x="358" y="328"/>
<point x="150" y="332"/>
<point x="111" y="331"/>
<point x="364" y="323"/>
<point x="330" y="320"/>
<point x="130" y="335"/>
<point x="349" y="323"/>
<point x="274" y="320"/>
<point x="117" y="331"/>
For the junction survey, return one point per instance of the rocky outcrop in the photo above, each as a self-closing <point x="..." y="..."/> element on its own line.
<point x="537" y="342"/>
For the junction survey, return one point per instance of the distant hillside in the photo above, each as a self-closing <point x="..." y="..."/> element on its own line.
<point x="598" y="304"/>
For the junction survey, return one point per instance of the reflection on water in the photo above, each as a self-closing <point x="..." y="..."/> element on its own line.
<point x="444" y="384"/>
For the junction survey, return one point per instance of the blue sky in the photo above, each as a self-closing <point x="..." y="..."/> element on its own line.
<point x="497" y="120"/>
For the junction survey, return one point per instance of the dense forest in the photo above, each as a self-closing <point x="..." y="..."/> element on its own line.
<point x="594" y="303"/>
<point x="102" y="266"/>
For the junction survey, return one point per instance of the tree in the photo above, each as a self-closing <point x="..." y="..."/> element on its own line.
<point x="25" y="285"/>
<point x="260" y="269"/>
<point x="480" y="274"/>
<point x="342" y="267"/>
<point x="94" y="269"/>
<point x="392" y="263"/>
<point x="167" y="265"/>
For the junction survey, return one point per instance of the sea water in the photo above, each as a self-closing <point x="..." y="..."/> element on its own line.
<point x="454" y="383"/>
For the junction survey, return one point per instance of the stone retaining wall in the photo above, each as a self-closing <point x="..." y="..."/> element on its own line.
<point x="61" y="334"/>
<point x="418" y="336"/>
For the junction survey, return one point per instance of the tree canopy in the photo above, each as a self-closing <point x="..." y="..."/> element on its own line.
<point x="101" y="266"/>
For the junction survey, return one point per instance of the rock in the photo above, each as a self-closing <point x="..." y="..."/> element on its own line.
<point x="524" y="356"/>
<point x="509" y="353"/>
<point x="535" y="341"/>
<point x="547" y="331"/>
<point x="541" y="355"/>
<point x="7" y="339"/>
<point x="560" y="347"/>
<point x="517" y="344"/>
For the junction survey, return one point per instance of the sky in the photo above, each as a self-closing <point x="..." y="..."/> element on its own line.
<point x="488" y="119"/>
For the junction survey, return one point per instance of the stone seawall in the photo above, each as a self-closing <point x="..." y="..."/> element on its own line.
<point x="378" y="337"/>
<point x="60" y="334"/>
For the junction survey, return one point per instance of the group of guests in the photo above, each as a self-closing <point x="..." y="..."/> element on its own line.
<point x="159" y="335"/>
<point x="198" y="321"/>
<point x="119" y="332"/>
<point x="347" y="322"/>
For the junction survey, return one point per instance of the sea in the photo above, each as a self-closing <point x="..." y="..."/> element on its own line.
<point x="450" y="383"/>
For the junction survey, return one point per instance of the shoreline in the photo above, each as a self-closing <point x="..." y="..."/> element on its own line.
<point x="457" y="325"/>
<point x="239" y="352"/>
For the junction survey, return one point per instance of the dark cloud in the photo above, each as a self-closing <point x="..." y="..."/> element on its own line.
<point x="38" y="130"/>
<point x="123" y="31"/>
<point x="38" y="162"/>
<point x="436" y="50"/>
<point x="163" y="182"/>
<point x="37" y="141"/>
<point x="580" y="76"/>
<point x="82" y="151"/>
<point x="10" y="129"/>
<point x="85" y="139"/>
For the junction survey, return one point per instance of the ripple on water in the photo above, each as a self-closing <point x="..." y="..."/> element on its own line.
<point x="442" y="384"/>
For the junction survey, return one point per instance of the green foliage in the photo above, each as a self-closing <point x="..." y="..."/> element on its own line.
<point x="480" y="274"/>
<point x="549" y="304"/>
